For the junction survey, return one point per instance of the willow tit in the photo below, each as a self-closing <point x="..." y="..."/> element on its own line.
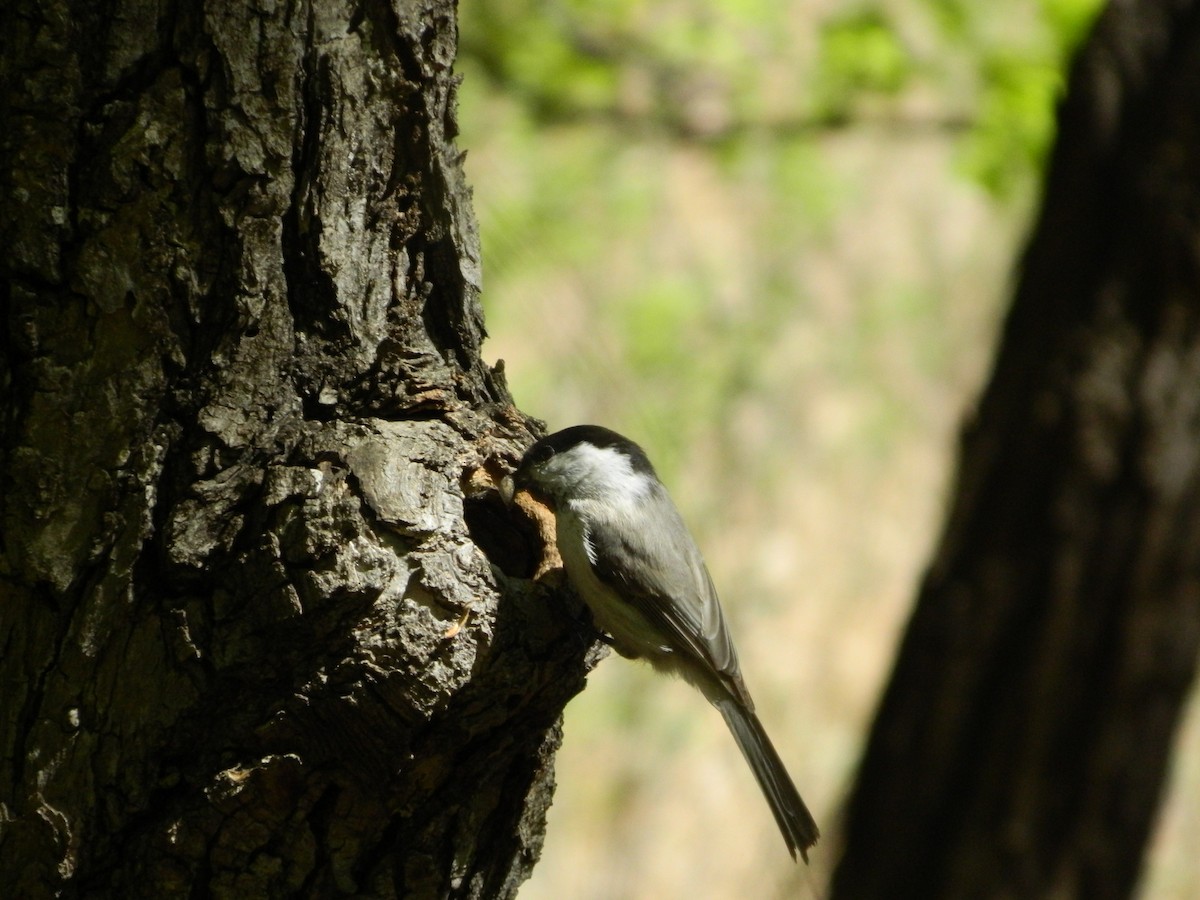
<point x="630" y="557"/>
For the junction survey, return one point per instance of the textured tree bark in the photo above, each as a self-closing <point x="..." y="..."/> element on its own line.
<point x="1023" y="741"/>
<point x="250" y="641"/>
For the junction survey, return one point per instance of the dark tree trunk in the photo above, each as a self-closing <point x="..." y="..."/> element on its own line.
<point x="249" y="643"/>
<point x="1023" y="741"/>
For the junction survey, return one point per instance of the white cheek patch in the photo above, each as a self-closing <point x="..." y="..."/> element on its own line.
<point x="604" y="473"/>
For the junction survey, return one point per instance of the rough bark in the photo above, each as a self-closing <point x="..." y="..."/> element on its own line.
<point x="250" y="641"/>
<point x="1023" y="740"/>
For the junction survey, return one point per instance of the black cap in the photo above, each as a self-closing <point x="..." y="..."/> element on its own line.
<point x="597" y="436"/>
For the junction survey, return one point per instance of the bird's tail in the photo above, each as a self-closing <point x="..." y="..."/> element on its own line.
<point x="794" y="819"/>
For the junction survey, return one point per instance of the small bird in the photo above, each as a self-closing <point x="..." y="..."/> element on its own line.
<point x="630" y="557"/>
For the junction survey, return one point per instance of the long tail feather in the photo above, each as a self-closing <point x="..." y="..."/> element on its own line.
<point x="795" y="821"/>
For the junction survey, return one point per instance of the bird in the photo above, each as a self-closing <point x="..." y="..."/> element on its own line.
<point x="631" y="558"/>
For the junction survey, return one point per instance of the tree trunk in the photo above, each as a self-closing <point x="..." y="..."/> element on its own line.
<point x="1023" y="741"/>
<point x="250" y="645"/>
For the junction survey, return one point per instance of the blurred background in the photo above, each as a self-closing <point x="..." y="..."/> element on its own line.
<point x="772" y="241"/>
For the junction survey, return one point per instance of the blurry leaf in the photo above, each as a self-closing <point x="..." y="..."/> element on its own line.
<point x="1069" y="20"/>
<point x="1020" y="79"/>
<point x="861" y="53"/>
<point x="1015" y="125"/>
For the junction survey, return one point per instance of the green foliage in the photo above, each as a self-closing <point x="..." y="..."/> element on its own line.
<point x="861" y="53"/>
<point x="599" y="131"/>
<point x="1020" y="77"/>
<point x="1015" y="123"/>
<point x="531" y="47"/>
<point x="701" y="69"/>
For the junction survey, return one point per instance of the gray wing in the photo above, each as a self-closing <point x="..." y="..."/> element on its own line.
<point x="663" y="575"/>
